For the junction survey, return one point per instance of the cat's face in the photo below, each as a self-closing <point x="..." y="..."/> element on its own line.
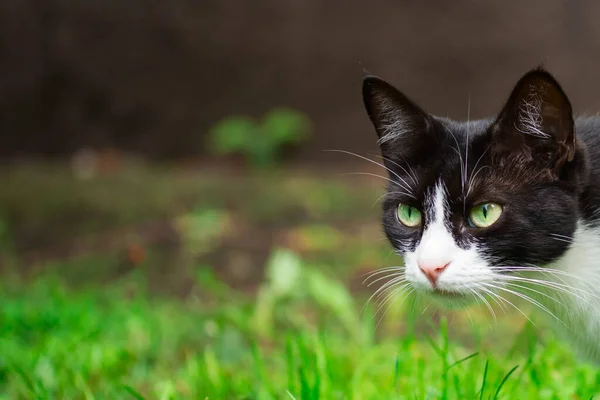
<point x="469" y="202"/>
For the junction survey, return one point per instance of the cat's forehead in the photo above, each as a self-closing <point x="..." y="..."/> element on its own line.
<point x="459" y="145"/>
<point x="452" y="164"/>
<point x="464" y="158"/>
<point x="463" y="131"/>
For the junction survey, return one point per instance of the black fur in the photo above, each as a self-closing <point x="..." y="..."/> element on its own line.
<point x="545" y="185"/>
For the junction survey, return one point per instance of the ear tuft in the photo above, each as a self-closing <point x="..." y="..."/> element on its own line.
<point x="544" y="110"/>
<point x="529" y="117"/>
<point x="539" y="115"/>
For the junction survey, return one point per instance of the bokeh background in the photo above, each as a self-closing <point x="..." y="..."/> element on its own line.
<point x="178" y="147"/>
<point x="101" y="87"/>
<point x="151" y="77"/>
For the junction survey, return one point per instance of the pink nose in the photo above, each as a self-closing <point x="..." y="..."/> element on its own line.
<point x="433" y="271"/>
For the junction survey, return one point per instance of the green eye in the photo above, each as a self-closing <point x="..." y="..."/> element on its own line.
<point x="409" y="215"/>
<point x="484" y="215"/>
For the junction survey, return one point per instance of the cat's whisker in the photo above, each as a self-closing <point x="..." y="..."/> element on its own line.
<point x="593" y="280"/>
<point x="525" y="287"/>
<point x="457" y="148"/>
<point x="389" y="284"/>
<point x="552" y="296"/>
<point x="519" y="276"/>
<point x="381" y="271"/>
<point x="427" y="307"/>
<point x="529" y="299"/>
<point x="410" y="171"/>
<point x="400" y="280"/>
<point x="417" y="300"/>
<point x="465" y="170"/>
<point x="470" y="316"/>
<point x="474" y="175"/>
<point x="562" y="240"/>
<point x="393" y="303"/>
<point x="391" y="292"/>
<point x="381" y="290"/>
<point x="393" y="251"/>
<point x="407" y="186"/>
<point x="388" y="275"/>
<point x="381" y="177"/>
<point x="554" y="274"/>
<point x="551" y="271"/>
<point x="531" y="268"/>
<point x="478" y="303"/>
<point x="393" y="275"/>
<point x="395" y="294"/>
<point x="562" y="236"/>
<point x="492" y="295"/>
<point x="493" y="291"/>
<point x="379" y="199"/>
<point x="487" y="304"/>
<point x="486" y="292"/>
<point x="388" y="194"/>
<point x="486" y="287"/>
<point x="559" y="287"/>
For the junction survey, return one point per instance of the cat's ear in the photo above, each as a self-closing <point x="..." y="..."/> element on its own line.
<point x="537" y="121"/>
<point x="394" y="115"/>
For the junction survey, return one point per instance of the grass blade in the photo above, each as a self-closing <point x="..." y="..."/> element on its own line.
<point x="28" y="382"/>
<point x="291" y="395"/>
<point x="434" y="346"/>
<point x="290" y="364"/>
<point x="397" y="374"/>
<point x="504" y="380"/>
<point x="445" y="352"/>
<point x="461" y="361"/>
<point x="485" y="371"/>
<point x="305" y="391"/>
<point x="133" y="392"/>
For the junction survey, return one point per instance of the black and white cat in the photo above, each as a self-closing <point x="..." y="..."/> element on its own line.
<point x="505" y="205"/>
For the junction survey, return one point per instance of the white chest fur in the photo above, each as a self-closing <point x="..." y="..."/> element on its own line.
<point x="578" y="305"/>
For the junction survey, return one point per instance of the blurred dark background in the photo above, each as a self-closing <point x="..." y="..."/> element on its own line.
<point x="152" y="132"/>
<point x="150" y="77"/>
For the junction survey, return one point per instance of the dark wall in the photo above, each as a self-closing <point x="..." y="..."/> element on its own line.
<point x="152" y="75"/>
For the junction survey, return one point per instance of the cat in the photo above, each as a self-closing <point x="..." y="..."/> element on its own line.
<point x="506" y="205"/>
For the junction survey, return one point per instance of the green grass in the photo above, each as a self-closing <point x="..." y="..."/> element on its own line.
<point x="98" y="343"/>
<point x="92" y="324"/>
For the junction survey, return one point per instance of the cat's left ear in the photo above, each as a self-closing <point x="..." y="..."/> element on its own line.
<point x="537" y="121"/>
<point x="404" y="128"/>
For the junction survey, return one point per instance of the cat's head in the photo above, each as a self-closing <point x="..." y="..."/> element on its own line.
<point x="472" y="201"/>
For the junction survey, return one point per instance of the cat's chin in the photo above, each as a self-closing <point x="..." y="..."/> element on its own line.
<point x="451" y="300"/>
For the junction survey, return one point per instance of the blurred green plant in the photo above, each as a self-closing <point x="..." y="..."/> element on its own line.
<point x="260" y="142"/>
<point x="201" y="229"/>
<point x="289" y="280"/>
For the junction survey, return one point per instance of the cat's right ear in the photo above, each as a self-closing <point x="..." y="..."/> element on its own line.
<point x="394" y="115"/>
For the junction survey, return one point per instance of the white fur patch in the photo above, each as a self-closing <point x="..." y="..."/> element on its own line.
<point x="466" y="268"/>
<point x="579" y="310"/>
